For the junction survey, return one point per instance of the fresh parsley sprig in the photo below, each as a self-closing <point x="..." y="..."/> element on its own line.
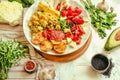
<point x="101" y="20"/>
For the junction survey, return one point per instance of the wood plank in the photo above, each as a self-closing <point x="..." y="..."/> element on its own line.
<point x="21" y="75"/>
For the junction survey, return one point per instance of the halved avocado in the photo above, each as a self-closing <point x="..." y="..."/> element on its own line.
<point x="113" y="40"/>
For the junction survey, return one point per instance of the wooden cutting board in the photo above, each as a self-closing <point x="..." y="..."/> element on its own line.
<point x="69" y="57"/>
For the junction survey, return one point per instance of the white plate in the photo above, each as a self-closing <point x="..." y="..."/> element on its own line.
<point x="69" y="50"/>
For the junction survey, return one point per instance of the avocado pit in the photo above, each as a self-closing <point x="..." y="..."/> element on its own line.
<point x="117" y="36"/>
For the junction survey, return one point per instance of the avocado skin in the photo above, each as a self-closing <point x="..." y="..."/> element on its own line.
<point x="108" y="46"/>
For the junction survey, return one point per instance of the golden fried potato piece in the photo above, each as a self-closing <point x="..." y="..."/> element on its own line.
<point x="60" y="48"/>
<point x="46" y="45"/>
<point x="37" y="38"/>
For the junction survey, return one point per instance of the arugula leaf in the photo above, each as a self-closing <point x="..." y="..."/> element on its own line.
<point x="10" y="52"/>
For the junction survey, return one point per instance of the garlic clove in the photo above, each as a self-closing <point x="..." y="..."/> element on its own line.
<point x="103" y="5"/>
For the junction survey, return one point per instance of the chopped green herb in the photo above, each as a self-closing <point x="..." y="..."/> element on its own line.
<point x="101" y="20"/>
<point x="63" y="24"/>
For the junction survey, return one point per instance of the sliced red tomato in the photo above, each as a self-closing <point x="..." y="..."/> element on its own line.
<point x="69" y="34"/>
<point x="74" y="28"/>
<point x="81" y="31"/>
<point x="73" y="15"/>
<point x="78" y="32"/>
<point x="78" y="20"/>
<point x="77" y="29"/>
<point x="69" y="13"/>
<point x="69" y="8"/>
<point x="76" y="39"/>
<point x="64" y="13"/>
<point x="77" y="10"/>
<point x="74" y="19"/>
<point x="58" y="7"/>
<point x="45" y="33"/>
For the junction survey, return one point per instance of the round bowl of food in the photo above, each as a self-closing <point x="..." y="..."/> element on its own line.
<point x="30" y="66"/>
<point x="57" y="28"/>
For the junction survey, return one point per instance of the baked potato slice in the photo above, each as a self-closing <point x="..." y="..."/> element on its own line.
<point x="46" y="45"/>
<point x="60" y="48"/>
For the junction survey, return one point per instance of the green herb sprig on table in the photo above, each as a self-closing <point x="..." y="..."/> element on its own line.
<point x="101" y="20"/>
<point x="10" y="52"/>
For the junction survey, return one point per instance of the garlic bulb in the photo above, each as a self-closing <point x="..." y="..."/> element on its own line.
<point x="103" y="5"/>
